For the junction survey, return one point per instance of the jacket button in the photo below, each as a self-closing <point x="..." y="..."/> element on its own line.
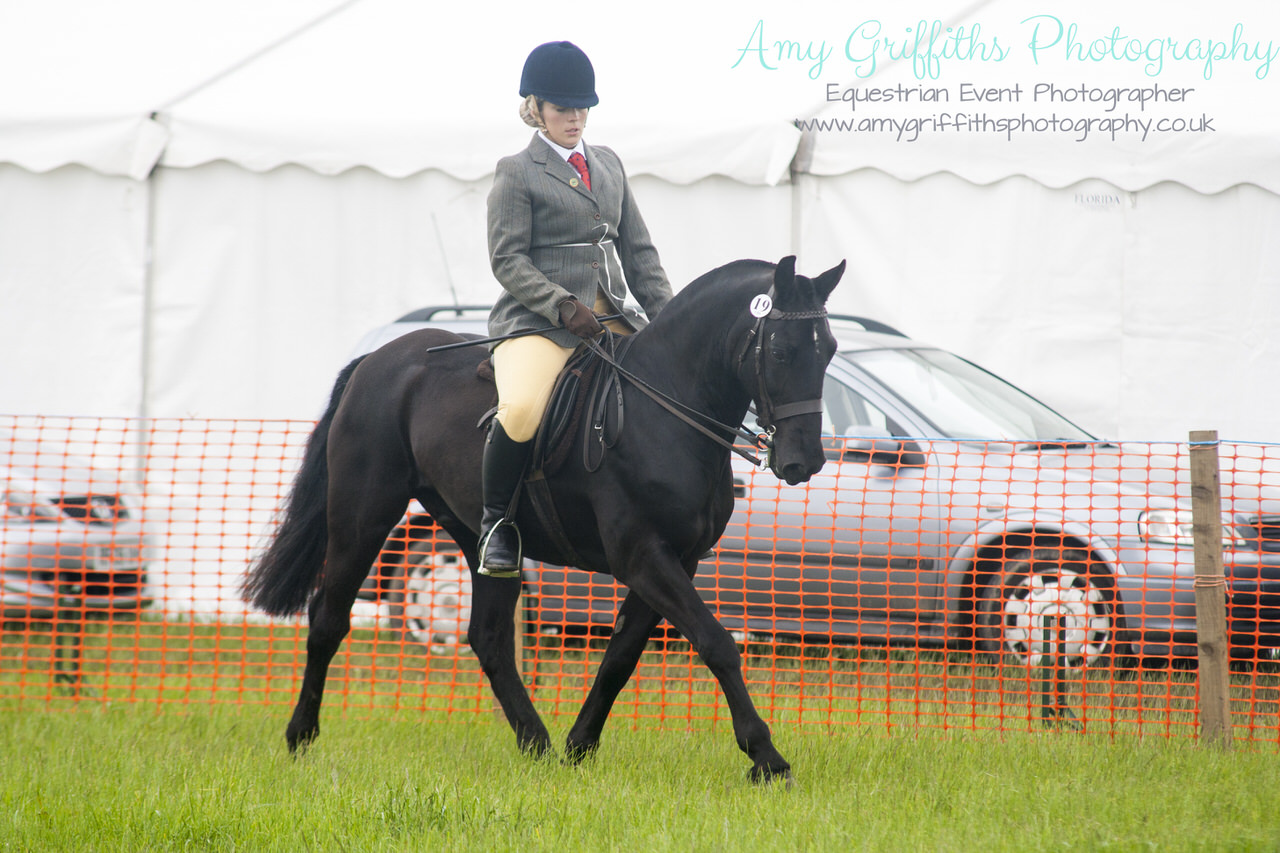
<point x="597" y="217"/>
<point x="595" y="265"/>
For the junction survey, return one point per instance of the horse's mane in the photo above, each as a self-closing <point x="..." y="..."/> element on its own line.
<point x="733" y="273"/>
<point x="714" y="283"/>
<point x="748" y="275"/>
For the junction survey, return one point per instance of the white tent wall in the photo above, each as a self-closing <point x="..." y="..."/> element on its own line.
<point x="322" y="167"/>
<point x="263" y="282"/>
<point x="700" y="226"/>
<point x="1140" y="315"/>
<point x="72" y="272"/>
<point x="1201" y="314"/>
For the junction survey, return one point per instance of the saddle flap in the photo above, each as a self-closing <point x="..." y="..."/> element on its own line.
<point x="564" y="411"/>
<point x="586" y="396"/>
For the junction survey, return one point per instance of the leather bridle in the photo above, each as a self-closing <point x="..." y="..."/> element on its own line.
<point x="767" y="413"/>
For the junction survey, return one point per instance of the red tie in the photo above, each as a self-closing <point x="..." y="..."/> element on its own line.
<point x="580" y="163"/>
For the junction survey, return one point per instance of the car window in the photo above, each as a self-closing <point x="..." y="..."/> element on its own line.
<point x="846" y="412"/>
<point x="963" y="401"/>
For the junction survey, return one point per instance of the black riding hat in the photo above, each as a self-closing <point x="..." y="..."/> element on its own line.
<point x="560" y="72"/>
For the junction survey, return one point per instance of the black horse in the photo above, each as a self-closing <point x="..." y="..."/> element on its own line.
<point x="403" y="424"/>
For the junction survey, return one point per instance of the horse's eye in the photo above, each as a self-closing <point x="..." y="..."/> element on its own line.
<point x="778" y="351"/>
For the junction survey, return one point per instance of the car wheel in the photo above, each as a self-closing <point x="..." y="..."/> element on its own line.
<point x="1049" y="602"/>
<point x="430" y="599"/>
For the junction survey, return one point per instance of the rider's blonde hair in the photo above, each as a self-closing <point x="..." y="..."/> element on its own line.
<point x="531" y="112"/>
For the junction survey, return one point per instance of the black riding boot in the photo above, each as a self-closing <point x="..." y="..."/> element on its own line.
<point x="504" y="462"/>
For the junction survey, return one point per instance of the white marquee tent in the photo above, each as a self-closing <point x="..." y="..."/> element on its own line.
<point x="204" y="206"/>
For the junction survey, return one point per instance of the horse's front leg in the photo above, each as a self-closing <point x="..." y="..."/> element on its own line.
<point x="492" y="636"/>
<point x="666" y="588"/>
<point x="636" y="621"/>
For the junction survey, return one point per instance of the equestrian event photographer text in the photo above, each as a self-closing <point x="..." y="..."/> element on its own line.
<point x="930" y="46"/>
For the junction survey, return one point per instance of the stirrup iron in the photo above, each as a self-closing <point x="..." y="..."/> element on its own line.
<point x="484" y="547"/>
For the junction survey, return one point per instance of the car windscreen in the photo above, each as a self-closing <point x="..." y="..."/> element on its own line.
<point x="963" y="401"/>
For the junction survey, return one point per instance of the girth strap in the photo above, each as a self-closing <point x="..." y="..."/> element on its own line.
<point x="538" y="491"/>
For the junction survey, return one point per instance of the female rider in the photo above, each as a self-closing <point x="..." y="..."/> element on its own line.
<point x="565" y="237"/>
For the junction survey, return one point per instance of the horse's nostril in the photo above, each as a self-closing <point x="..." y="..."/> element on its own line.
<point x="794" y="473"/>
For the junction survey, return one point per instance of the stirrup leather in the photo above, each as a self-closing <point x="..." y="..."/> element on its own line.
<point x="484" y="548"/>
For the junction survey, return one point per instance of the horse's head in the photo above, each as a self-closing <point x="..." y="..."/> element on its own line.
<point x="783" y="363"/>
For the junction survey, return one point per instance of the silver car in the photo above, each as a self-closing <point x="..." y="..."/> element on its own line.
<point x="956" y="510"/>
<point x="70" y="539"/>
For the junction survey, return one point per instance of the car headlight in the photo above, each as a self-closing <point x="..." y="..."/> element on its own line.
<point x="1174" y="527"/>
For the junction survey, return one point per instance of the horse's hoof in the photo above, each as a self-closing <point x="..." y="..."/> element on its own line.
<point x="576" y="753"/>
<point x="764" y="775"/>
<point x="299" y="741"/>
<point x="535" y="747"/>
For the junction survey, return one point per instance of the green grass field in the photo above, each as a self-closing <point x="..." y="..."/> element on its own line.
<point x="155" y="753"/>
<point x="219" y="778"/>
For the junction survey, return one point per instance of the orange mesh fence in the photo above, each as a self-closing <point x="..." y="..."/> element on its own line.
<point x="910" y="583"/>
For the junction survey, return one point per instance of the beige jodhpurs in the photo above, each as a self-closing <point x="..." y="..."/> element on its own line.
<point x="525" y="370"/>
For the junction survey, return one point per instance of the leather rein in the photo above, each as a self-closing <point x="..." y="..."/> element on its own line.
<point x="767" y="413"/>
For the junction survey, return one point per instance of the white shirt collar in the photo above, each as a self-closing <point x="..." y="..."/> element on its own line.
<point x="561" y="150"/>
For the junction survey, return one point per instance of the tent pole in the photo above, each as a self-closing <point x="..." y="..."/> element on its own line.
<point x="148" y="297"/>
<point x="799" y="166"/>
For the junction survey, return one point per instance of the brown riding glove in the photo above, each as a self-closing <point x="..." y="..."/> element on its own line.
<point x="579" y="319"/>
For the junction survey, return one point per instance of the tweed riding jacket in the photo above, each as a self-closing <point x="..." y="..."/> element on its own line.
<point x="551" y="238"/>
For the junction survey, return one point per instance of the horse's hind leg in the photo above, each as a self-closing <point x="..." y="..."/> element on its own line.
<point x="659" y="580"/>
<point x="636" y="621"/>
<point x="354" y="543"/>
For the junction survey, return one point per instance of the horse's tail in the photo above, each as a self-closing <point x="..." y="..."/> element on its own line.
<point x="282" y="578"/>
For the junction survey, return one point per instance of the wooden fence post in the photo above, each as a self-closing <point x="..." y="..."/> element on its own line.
<point x="1210" y="587"/>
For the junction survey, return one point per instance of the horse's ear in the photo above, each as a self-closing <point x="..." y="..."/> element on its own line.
<point x="784" y="275"/>
<point x="827" y="282"/>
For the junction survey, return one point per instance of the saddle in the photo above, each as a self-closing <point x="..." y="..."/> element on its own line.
<point x="587" y="397"/>
<point x="586" y="401"/>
